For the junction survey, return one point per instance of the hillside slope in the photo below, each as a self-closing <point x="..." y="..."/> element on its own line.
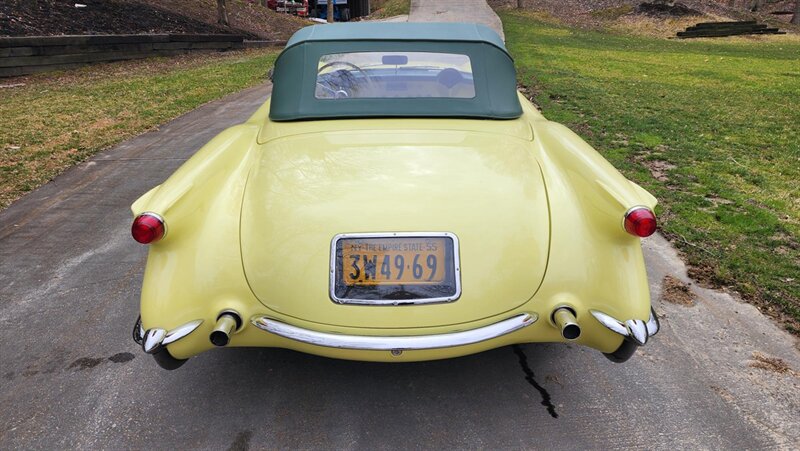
<point x="243" y="15"/>
<point x="62" y="17"/>
<point x="627" y="15"/>
<point x="59" y="17"/>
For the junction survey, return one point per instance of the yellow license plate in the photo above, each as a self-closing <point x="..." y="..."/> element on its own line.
<point x="393" y="261"/>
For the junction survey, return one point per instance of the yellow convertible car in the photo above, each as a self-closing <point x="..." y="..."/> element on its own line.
<point x="395" y="200"/>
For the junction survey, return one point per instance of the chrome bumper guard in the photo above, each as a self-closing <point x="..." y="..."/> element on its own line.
<point x="153" y="340"/>
<point x="636" y="330"/>
<point x="399" y="343"/>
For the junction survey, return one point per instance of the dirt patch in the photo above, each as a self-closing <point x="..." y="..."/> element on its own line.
<point x="664" y="8"/>
<point x="724" y="394"/>
<point x="659" y="169"/>
<point x="773" y="364"/>
<point x="583" y="130"/>
<point x="659" y="27"/>
<point x="676" y="292"/>
<point x="612" y="13"/>
<point x="717" y="201"/>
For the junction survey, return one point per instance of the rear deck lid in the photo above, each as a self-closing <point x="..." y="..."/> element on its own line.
<point x="485" y="190"/>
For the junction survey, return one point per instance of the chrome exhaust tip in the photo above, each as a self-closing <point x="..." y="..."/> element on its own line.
<point x="228" y="322"/>
<point x="564" y="318"/>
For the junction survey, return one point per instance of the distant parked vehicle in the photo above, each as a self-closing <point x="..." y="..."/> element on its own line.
<point x="299" y="8"/>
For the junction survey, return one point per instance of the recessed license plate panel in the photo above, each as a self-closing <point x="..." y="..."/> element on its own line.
<point x="395" y="268"/>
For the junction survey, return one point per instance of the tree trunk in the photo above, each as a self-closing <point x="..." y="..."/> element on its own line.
<point x="796" y="18"/>
<point x="519" y="4"/>
<point x="757" y="5"/>
<point x="330" y="11"/>
<point x="263" y="2"/>
<point x="222" y="13"/>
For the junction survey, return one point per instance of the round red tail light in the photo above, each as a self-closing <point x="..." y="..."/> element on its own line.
<point x="148" y="228"/>
<point x="640" y="222"/>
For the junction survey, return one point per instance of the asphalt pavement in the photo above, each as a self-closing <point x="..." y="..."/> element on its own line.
<point x="71" y="376"/>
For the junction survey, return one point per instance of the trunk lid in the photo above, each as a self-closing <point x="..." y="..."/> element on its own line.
<point x="485" y="188"/>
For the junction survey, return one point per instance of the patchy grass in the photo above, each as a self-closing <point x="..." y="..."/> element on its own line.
<point x="57" y="120"/>
<point x="389" y="8"/>
<point x="655" y="27"/>
<point x="612" y="13"/>
<point x="711" y="127"/>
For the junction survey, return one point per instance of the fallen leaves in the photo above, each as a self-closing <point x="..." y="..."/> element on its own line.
<point x="773" y="364"/>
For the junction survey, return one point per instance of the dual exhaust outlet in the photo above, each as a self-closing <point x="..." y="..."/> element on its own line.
<point x="564" y="319"/>
<point x="229" y="321"/>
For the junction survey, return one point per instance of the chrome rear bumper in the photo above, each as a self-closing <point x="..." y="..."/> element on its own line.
<point x="392" y="343"/>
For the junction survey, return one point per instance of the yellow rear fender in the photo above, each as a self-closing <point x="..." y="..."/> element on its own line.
<point x="139" y="205"/>
<point x="196" y="268"/>
<point x="207" y="168"/>
<point x="594" y="263"/>
<point x="600" y="185"/>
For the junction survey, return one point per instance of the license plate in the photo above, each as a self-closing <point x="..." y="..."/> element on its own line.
<point x="395" y="268"/>
<point x="392" y="261"/>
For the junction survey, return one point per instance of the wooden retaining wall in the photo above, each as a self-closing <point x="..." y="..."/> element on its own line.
<point x="28" y="55"/>
<point x="721" y="29"/>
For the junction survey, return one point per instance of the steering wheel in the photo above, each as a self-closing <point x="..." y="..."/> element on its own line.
<point x="345" y="63"/>
<point x="349" y="64"/>
<point x="337" y="94"/>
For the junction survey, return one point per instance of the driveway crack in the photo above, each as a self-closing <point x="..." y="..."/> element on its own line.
<point x="531" y="378"/>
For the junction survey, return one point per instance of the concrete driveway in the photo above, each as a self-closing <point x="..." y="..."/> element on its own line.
<point x="71" y="377"/>
<point x="474" y="11"/>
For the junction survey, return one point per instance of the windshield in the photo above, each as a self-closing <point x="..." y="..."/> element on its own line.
<point x="394" y="75"/>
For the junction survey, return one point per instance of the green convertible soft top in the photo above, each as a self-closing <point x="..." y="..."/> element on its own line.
<point x="295" y="74"/>
<point x="398" y="31"/>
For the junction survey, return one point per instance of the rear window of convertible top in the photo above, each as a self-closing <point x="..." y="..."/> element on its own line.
<point x="394" y="75"/>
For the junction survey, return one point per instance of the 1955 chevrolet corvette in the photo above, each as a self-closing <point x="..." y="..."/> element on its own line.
<point x="396" y="199"/>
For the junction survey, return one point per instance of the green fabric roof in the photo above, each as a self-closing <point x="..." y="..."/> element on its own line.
<point x="398" y="31"/>
<point x="295" y="74"/>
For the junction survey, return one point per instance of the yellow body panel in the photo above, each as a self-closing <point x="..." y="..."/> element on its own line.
<point x="553" y="203"/>
<point x="487" y="189"/>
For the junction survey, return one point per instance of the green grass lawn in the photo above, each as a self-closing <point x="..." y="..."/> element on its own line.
<point x="390" y="8"/>
<point x="711" y="127"/>
<point x="57" y="120"/>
